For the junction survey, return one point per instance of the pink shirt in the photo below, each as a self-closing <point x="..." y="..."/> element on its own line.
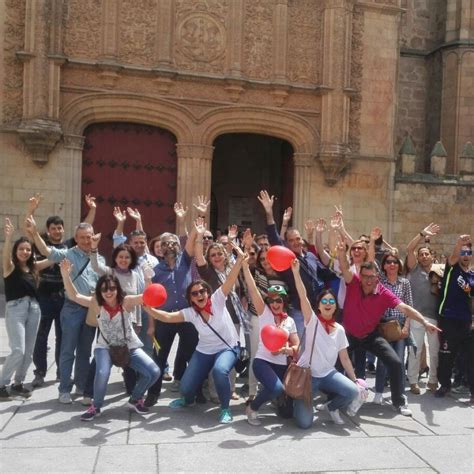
<point x="362" y="313"/>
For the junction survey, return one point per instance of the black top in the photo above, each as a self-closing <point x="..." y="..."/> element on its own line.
<point x="19" y="284"/>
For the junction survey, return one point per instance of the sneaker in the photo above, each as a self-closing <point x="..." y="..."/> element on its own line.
<point x="180" y="403"/>
<point x="4" y="395"/>
<point x="225" y="417"/>
<point x="138" y="406"/>
<point x="378" y="399"/>
<point x="415" y="389"/>
<point x="20" y="390"/>
<point x="461" y="390"/>
<point x="65" y="398"/>
<point x="432" y="386"/>
<point x="38" y="381"/>
<point x="252" y="417"/>
<point x="167" y="377"/>
<point x="404" y="410"/>
<point x="336" y="417"/>
<point x="175" y="386"/>
<point x="321" y="406"/>
<point x="441" y="392"/>
<point x="151" y="399"/>
<point x="90" y="414"/>
<point x="86" y="401"/>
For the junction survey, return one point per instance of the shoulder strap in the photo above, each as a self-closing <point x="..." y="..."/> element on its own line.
<point x="123" y="326"/>
<point x="215" y="332"/>
<point x="314" y="340"/>
<point x="82" y="269"/>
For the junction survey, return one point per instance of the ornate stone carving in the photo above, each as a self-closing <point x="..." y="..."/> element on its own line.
<point x="258" y="39"/>
<point x="83" y="28"/>
<point x="137" y="31"/>
<point x="304" y="41"/>
<point x="75" y="142"/>
<point x="335" y="161"/>
<point x="40" y="137"/>
<point x="201" y="35"/>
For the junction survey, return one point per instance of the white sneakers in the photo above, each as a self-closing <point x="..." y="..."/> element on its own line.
<point x="336" y="417"/>
<point x="252" y="417"/>
<point x="65" y="398"/>
<point x="378" y="399"/>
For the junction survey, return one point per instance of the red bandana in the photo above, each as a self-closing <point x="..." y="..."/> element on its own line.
<point x="327" y="323"/>
<point x="113" y="311"/>
<point x="207" y="308"/>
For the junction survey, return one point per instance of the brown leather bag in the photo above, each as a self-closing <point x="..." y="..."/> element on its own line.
<point x="391" y="330"/>
<point x="297" y="380"/>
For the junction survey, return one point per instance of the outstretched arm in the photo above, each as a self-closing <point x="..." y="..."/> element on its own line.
<point x="285" y="221"/>
<point x="412" y="313"/>
<point x="267" y="202"/>
<point x="463" y="240"/>
<point x="343" y="263"/>
<point x="30" y="225"/>
<point x="8" y="266"/>
<point x="92" y="205"/>
<point x="180" y="212"/>
<point x="255" y="295"/>
<point x="72" y="293"/>
<point x="200" y="227"/>
<point x="323" y="255"/>
<point x="301" y="289"/>
<point x="164" y="316"/>
<point x="137" y="217"/>
<point x="430" y="230"/>
<point x="229" y="283"/>
<point x="120" y="217"/>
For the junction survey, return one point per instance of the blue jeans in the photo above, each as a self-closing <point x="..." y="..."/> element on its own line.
<point x="270" y="376"/>
<point x="338" y="386"/>
<point x="22" y="317"/>
<point x="76" y="343"/>
<point x="381" y="372"/>
<point x="139" y="361"/>
<point x="146" y="340"/>
<point x="51" y="306"/>
<point x="298" y="318"/>
<point x="219" y="364"/>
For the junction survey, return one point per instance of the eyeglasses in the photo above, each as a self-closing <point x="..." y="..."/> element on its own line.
<point x="200" y="292"/>
<point x="105" y="289"/>
<point x="391" y="262"/>
<point x="328" y="301"/>
<point x="169" y="243"/>
<point x="217" y="254"/>
<point x="465" y="253"/>
<point x="269" y="300"/>
<point x="357" y="248"/>
<point x="208" y="237"/>
<point x="368" y="277"/>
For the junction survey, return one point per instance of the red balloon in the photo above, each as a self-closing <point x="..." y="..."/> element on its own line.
<point x="154" y="295"/>
<point x="280" y="257"/>
<point x="273" y="338"/>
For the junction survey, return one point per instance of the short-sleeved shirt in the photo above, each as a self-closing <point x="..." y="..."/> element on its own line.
<point x="220" y="320"/>
<point x="267" y="318"/>
<point x="457" y="292"/>
<point x="423" y="300"/>
<point x="112" y="329"/>
<point x="326" y="348"/>
<point x="362" y="313"/>
<point x="175" y="280"/>
<point x="402" y="289"/>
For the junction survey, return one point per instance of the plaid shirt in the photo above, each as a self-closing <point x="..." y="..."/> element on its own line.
<point x="402" y="289"/>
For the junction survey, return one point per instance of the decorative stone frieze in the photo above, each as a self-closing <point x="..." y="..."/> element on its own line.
<point x="40" y="137"/>
<point x="334" y="161"/>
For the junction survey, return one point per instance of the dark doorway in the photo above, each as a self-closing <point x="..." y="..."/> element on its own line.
<point x="130" y="165"/>
<point x="243" y="164"/>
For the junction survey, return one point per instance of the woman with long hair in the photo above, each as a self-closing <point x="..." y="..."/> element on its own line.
<point x="269" y="367"/>
<point x="114" y="310"/>
<point x="22" y="311"/>
<point x="326" y="340"/>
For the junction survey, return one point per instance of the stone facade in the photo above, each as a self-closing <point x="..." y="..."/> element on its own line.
<point x="343" y="81"/>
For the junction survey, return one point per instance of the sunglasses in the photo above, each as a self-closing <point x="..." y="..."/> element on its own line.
<point x="465" y="253"/>
<point x="391" y="262"/>
<point x="252" y="254"/>
<point x="208" y="237"/>
<point x="328" y="301"/>
<point x="217" y="254"/>
<point x="357" y="248"/>
<point x="269" y="300"/>
<point x="200" y="292"/>
<point x="108" y="288"/>
<point x="170" y="243"/>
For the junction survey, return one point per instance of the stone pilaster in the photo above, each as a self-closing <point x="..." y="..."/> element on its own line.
<point x="302" y="188"/>
<point x="280" y="35"/>
<point x="194" y="172"/>
<point x="110" y="30"/>
<point x="235" y="38"/>
<point x="164" y="35"/>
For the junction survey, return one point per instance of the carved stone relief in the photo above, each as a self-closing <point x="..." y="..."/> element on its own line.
<point x="258" y="38"/>
<point x="83" y="28"/>
<point x="137" y="31"/>
<point x="200" y="35"/>
<point x="13" y="68"/>
<point x="304" y="41"/>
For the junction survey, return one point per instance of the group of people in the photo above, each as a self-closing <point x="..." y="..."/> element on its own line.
<point x="340" y="303"/>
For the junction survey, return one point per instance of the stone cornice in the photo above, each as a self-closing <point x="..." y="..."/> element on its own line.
<point x="415" y="53"/>
<point x="430" y="180"/>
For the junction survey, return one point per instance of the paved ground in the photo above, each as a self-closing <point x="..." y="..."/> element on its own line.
<point x="40" y="435"/>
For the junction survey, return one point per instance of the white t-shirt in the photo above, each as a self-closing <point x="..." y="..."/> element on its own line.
<point x="326" y="349"/>
<point x="262" y="352"/>
<point x="112" y="329"/>
<point x="220" y="320"/>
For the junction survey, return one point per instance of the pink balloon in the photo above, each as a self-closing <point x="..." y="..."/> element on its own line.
<point x="273" y="338"/>
<point x="280" y="257"/>
<point x="154" y="295"/>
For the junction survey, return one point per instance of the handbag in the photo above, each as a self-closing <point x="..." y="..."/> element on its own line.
<point x="297" y="380"/>
<point x="119" y="353"/>
<point x="391" y="330"/>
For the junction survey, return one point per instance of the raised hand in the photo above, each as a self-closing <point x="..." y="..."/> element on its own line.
<point x="375" y="233"/>
<point x="180" y="211"/>
<point x="30" y="225"/>
<point x="134" y="214"/>
<point x="295" y="265"/>
<point x="266" y="200"/>
<point x="95" y="239"/>
<point x="431" y="229"/>
<point x="8" y="228"/>
<point x="66" y="266"/>
<point x="240" y="253"/>
<point x="120" y="216"/>
<point x="232" y="231"/>
<point x="338" y="211"/>
<point x="202" y="205"/>
<point x="464" y="239"/>
<point x="321" y="225"/>
<point x="336" y="222"/>
<point x="287" y="214"/>
<point x="248" y="238"/>
<point x="341" y="248"/>
<point x="90" y="201"/>
<point x="200" y="226"/>
<point x="33" y="203"/>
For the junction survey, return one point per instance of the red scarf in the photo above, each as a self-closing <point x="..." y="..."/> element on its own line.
<point x="113" y="311"/>
<point x="282" y="317"/>
<point x="327" y="323"/>
<point x="207" y="308"/>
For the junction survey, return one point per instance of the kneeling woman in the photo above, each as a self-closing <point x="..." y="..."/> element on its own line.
<point x="115" y="315"/>
<point x="330" y="341"/>
<point x="218" y="347"/>
<point x="269" y="367"/>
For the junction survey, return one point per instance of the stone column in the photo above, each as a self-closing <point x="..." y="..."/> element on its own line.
<point x="164" y="34"/>
<point x="234" y="43"/>
<point x="302" y="188"/>
<point x="194" y="172"/>
<point x="110" y="30"/>
<point x="280" y="35"/>
<point x="73" y="145"/>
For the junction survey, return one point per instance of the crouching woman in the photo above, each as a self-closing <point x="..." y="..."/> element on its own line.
<point x="114" y="312"/>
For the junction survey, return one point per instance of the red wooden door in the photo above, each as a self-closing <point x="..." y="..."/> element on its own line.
<point x="130" y="165"/>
